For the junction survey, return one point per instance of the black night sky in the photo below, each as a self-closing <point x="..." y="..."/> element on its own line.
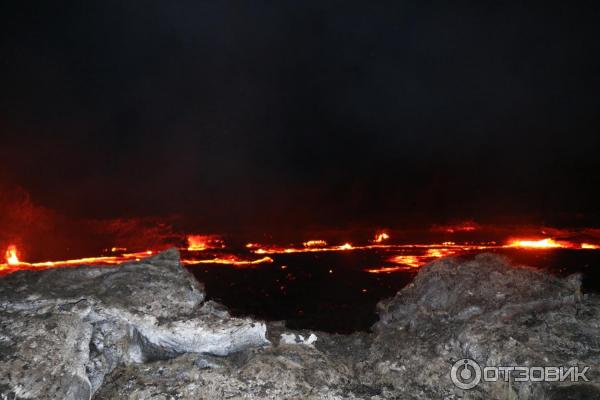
<point x="295" y="113"/>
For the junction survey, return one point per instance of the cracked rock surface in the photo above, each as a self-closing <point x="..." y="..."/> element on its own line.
<point x="63" y="330"/>
<point x="491" y="312"/>
<point x="144" y="331"/>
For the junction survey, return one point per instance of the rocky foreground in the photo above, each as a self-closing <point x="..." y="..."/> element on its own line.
<point x="145" y="331"/>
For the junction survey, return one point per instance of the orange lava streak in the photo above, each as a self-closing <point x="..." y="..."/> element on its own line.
<point x="103" y="260"/>
<point x="411" y="255"/>
<point x="204" y="242"/>
<point x="315" y="243"/>
<point x="288" y="250"/>
<point x="347" y="246"/>
<point x="385" y="270"/>
<point x="589" y="246"/>
<point x="228" y="261"/>
<point x="118" y="259"/>
<point x="537" y="244"/>
<point x="408" y="262"/>
<point x="439" y="253"/>
<point x="411" y="261"/>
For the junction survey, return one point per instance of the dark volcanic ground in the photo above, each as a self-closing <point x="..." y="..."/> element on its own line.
<point x="330" y="291"/>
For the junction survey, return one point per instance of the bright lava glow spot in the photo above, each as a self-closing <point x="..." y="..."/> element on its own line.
<point x="315" y="243"/>
<point x="536" y="244"/>
<point x="411" y="261"/>
<point x="204" y="242"/>
<point x="229" y="261"/>
<point x="384" y="270"/>
<point x="380" y="237"/>
<point x="12" y="257"/>
<point x="438" y="253"/>
<point x="589" y="246"/>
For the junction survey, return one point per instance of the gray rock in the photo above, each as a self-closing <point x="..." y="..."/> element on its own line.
<point x="489" y="311"/>
<point x="63" y="330"/>
<point x="282" y="372"/>
<point x="143" y="330"/>
<point x="44" y="356"/>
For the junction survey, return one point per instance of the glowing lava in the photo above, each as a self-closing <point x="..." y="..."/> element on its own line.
<point x="381" y="237"/>
<point x="537" y="244"/>
<point x="313" y="248"/>
<point x="204" y="242"/>
<point x="231" y="260"/>
<point x="315" y="243"/>
<point x="13" y="263"/>
<point x="589" y="246"/>
<point x="385" y="270"/>
<point x="211" y="249"/>
<point x="439" y="253"/>
<point x="411" y="261"/>
<point x="12" y="257"/>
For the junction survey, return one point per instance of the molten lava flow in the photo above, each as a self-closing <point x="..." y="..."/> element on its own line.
<point x="204" y="242"/>
<point x="13" y="264"/>
<point x="589" y="246"/>
<point x="385" y="270"/>
<point x="537" y="244"/>
<point x="411" y="261"/>
<point x="398" y="256"/>
<point x="12" y="255"/>
<point x="415" y="261"/>
<point x="549" y="243"/>
<point x="447" y="248"/>
<point x="305" y="249"/>
<point x="439" y="253"/>
<point x="315" y="243"/>
<point x="231" y="260"/>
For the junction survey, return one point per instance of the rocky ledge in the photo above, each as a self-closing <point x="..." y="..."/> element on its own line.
<point x="145" y="331"/>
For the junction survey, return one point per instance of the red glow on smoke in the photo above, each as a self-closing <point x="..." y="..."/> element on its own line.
<point x="467" y="226"/>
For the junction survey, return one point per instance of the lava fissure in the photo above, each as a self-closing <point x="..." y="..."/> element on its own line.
<point x="212" y="249"/>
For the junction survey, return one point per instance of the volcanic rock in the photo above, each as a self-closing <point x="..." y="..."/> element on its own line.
<point x="144" y="331"/>
<point x="491" y="312"/>
<point x="63" y="330"/>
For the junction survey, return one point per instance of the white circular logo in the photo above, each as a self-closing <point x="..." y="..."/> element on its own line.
<point x="465" y="374"/>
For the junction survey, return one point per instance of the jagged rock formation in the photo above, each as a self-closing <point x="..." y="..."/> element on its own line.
<point x="143" y="330"/>
<point x="494" y="313"/>
<point x="63" y="330"/>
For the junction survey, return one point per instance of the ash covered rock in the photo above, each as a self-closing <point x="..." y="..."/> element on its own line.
<point x="489" y="311"/>
<point x="63" y="330"/>
<point x="143" y="330"/>
<point x="277" y="372"/>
